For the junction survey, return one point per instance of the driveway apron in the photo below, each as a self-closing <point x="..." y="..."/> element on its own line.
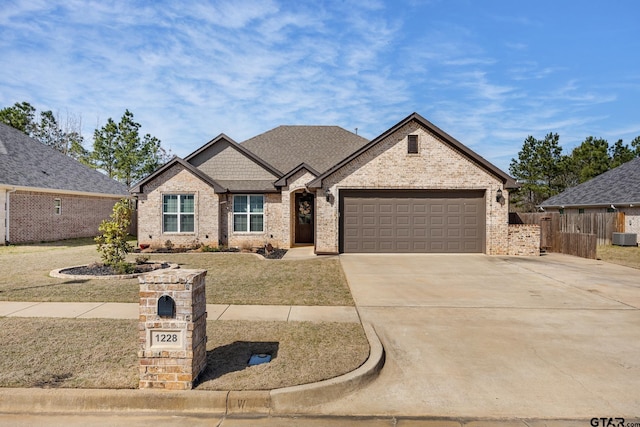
<point x="486" y="336"/>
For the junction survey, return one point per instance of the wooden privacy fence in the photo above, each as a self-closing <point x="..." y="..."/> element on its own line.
<point x="573" y="234"/>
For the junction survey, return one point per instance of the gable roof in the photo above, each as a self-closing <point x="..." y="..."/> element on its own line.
<point x="26" y="163"/>
<point x="137" y="187"/>
<point x="242" y="149"/>
<point x="618" y="186"/>
<point x="507" y="180"/>
<point x="302" y="166"/>
<point x="320" y="147"/>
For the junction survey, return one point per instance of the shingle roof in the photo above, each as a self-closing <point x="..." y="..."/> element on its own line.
<point x="25" y="162"/>
<point x="286" y="147"/>
<point x="615" y="187"/>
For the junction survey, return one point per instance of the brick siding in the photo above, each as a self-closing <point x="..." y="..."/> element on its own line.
<point x="173" y="367"/>
<point x="388" y="166"/>
<point x="33" y="217"/>
<point x="275" y="226"/>
<point x="524" y="239"/>
<point x="178" y="180"/>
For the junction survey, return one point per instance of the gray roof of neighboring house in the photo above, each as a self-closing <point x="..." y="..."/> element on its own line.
<point x="320" y="147"/>
<point x="617" y="186"/>
<point x="25" y="162"/>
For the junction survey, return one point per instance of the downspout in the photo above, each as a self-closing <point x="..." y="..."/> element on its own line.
<point x="6" y="217"/>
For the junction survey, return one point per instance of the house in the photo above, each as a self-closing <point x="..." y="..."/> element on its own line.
<point x="414" y="188"/>
<point x="47" y="196"/>
<point x="617" y="190"/>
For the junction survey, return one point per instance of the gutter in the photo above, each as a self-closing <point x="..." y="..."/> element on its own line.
<point x="593" y="205"/>
<point x="63" y="191"/>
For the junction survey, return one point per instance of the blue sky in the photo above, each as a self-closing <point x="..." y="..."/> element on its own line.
<point x="488" y="72"/>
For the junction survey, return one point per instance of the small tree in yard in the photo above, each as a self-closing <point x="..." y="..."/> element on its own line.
<point x="112" y="244"/>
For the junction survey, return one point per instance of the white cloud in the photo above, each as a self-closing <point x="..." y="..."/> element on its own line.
<point x="190" y="71"/>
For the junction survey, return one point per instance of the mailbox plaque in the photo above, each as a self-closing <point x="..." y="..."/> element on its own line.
<point x="166" y="339"/>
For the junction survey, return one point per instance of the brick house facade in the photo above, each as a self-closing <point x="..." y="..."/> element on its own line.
<point x="277" y="186"/>
<point x="47" y="196"/>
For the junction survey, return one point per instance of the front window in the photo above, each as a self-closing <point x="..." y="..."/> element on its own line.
<point x="178" y="213"/>
<point x="248" y="213"/>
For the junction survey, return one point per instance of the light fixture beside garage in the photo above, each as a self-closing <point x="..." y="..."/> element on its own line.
<point x="327" y="194"/>
<point x="499" y="197"/>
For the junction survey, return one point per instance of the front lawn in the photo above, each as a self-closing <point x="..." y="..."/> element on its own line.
<point x="99" y="353"/>
<point x="232" y="278"/>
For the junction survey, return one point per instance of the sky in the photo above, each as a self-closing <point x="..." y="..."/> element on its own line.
<point x="487" y="72"/>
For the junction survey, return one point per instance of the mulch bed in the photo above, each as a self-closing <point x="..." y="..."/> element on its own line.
<point x="98" y="269"/>
<point x="273" y="254"/>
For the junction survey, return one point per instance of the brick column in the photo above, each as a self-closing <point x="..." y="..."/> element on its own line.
<point x="173" y="328"/>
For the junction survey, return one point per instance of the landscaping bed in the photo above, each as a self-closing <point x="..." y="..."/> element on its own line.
<point x="99" y="269"/>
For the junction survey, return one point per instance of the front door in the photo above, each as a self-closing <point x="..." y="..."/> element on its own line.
<point x="304" y="218"/>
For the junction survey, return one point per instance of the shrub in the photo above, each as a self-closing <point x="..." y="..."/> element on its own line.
<point x="112" y="244"/>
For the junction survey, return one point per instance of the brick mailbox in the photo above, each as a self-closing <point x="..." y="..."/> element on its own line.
<point x="173" y="328"/>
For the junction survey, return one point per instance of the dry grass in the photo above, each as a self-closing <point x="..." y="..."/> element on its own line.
<point x="232" y="278"/>
<point x="24" y="275"/>
<point x="623" y="255"/>
<point x="302" y="352"/>
<point x="68" y="353"/>
<point x="74" y="353"/>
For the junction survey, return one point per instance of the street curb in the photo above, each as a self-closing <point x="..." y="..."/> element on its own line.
<point x="25" y="400"/>
<point x="284" y="400"/>
<point x="288" y="400"/>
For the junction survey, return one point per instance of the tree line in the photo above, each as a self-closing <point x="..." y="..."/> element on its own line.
<point x="543" y="170"/>
<point x="118" y="149"/>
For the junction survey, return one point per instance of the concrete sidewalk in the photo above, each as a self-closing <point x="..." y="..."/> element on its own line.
<point x="113" y="310"/>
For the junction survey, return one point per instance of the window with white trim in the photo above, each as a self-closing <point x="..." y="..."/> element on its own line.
<point x="248" y="213"/>
<point x="178" y="213"/>
<point x="57" y="206"/>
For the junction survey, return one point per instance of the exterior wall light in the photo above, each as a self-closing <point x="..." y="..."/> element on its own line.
<point x="499" y="198"/>
<point x="327" y="194"/>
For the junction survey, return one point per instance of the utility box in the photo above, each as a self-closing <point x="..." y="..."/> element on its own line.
<point x="173" y="328"/>
<point x="625" y="239"/>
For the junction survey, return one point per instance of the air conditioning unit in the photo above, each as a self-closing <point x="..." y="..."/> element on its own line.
<point x="625" y="239"/>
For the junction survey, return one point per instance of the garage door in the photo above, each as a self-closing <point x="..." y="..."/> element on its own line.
<point x="412" y="221"/>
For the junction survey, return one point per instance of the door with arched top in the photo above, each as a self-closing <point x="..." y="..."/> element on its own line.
<point x="304" y="214"/>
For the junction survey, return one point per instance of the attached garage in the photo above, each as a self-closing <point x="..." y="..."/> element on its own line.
<point x="412" y="221"/>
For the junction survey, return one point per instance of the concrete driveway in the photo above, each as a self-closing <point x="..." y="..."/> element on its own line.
<point x="483" y="336"/>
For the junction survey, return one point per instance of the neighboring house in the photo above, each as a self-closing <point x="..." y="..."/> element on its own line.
<point x="617" y="190"/>
<point x="47" y="196"/>
<point x="414" y="188"/>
